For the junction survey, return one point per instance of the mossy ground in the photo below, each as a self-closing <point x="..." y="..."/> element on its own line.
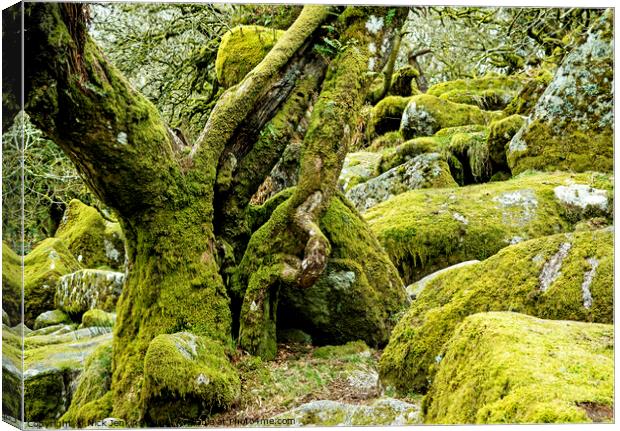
<point x="426" y="230"/>
<point x="513" y="368"/>
<point x="302" y="373"/>
<point x="544" y="277"/>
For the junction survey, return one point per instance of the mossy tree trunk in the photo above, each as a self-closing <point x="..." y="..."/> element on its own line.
<point x="183" y="208"/>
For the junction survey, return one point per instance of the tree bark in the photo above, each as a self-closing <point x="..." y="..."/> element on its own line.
<point x="179" y="208"/>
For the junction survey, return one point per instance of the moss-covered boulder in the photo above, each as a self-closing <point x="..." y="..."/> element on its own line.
<point x="491" y="92"/>
<point x="359" y="295"/>
<point x="186" y="377"/>
<point x="51" y="318"/>
<point x="571" y="127"/>
<point x="92" y="239"/>
<point x="43" y="266"/>
<point x="388" y="140"/>
<point x="357" y="168"/>
<point x="513" y="368"/>
<point x="11" y="283"/>
<point x="424" y="171"/>
<point x="386" y="115"/>
<point x="533" y="87"/>
<point x="414" y="289"/>
<point x="241" y="49"/>
<point x="564" y="276"/>
<point x="11" y="374"/>
<point x="500" y="134"/>
<point x="438" y="143"/>
<point x="88" y="289"/>
<point x="92" y="399"/>
<point x="427" y="230"/>
<point x="382" y="412"/>
<point x="425" y="114"/>
<point x="98" y="318"/>
<point x="404" y="83"/>
<point x="52" y="365"/>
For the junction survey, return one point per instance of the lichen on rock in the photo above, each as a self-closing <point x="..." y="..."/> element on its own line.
<point x="512" y="368"/>
<point x="426" y="114"/>
<point x="88" y="289"/>
<point x="571" y="127"/>
<point x="427" y="170"/>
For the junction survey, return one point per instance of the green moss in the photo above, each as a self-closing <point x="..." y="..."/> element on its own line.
<point x="386" y="115"/>
<point x="359" y="294"/>
<point x="387" y="140"/>
<point x="500" y="134"/>
<point x="49" y="318"/>
<point x="97" y="318"/>
<point x="92" y="399"/>
<point x="87" y="234"/>
<point x="351" y="348"/>
<point x="186" y="376"/>
<point x="491" y="92"/>
<point x="571" y="127"/>
<point x="524" y="102"/>
<point x="424" y="231"/>
<point x="12" y="356"/>
<point x="565" y="276"/>
<point x="512" y="368"/>
<point x="241" y="49"/>
<point x="403" y="82"/>
<point x="11" y="283"/>
<point x="426" y="114"/>
<point x="43" y="266"/>
<point x="41" y="397"/>
<point x="357" y="168"/>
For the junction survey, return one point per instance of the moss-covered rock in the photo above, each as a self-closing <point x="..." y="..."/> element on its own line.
<point x="97" y="318"/>
<point x="50" y="318"/>
<point x="388" y="140"/>
<point x="92" y="239"/>
<point x="404" y="83"/>
<point x="241" y="49"/>
<point x="88" y="289"/>
<point x="565" y="276"/>
<point x="359" y="294"/>
<point x="52" y="365"/>
<point x="186" y="377"/>
<point x="414" y="289"/>
<point x="342" y="351"/>
<point x="92" y="401"/>
<point x="425" y="114"/>
<point x="43" y="266"/>
<point x="468" y="156"/>
<point x="571" y="127"/>
<point x="533" y="88"/>
<point x="11" y="374"/>
<point x="386" y="115"/>
<point x="427" y="230"/>
<point x="424" y="171"/>
<point x="500" y="134"/>
<point x="491" y="92"/>
<point x="357" y="168"/>
<point x="11" y="283"/>
<point x="513" y="368"/>
<point x="392" y="157"/>
<point x="382" y="412"/>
